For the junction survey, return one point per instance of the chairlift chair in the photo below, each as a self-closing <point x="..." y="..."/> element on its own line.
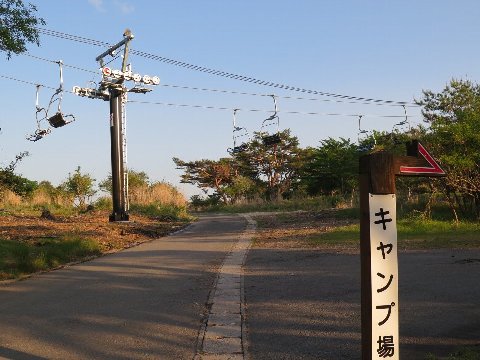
<point x="239" y="132"/>
<point x="41" y="114"/>
<point x="364" y="135"/>
<point x="402" y="126"/>
<point x="271" y="139"/>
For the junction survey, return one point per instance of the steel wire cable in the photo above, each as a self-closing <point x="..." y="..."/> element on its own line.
<point x="262" y="110"/>
<point x="233" y="92"/>
<point x="209" y="107"/>
<point x="225" y="74"/>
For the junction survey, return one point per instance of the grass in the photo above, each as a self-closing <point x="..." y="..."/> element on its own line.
<point x="20" y="258"/>
<point x="162" y="212"/>
<point x="414" y="234"/>
<point x="467" y="353"/>
<point x="31" y="243"/>
<point x="305" y="204"/>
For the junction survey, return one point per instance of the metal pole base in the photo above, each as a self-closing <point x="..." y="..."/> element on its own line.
<point x="118" y="217"/>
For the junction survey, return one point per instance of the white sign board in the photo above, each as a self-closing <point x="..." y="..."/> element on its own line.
<point x="384" y="276"/>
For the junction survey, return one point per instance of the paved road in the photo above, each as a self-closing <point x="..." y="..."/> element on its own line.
<point x="305" y="304"/>
<point x="148" y="302"/>
<point x="143" y="303"/>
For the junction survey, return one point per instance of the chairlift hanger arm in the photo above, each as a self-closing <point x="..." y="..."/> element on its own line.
<point x="125" y="40"/>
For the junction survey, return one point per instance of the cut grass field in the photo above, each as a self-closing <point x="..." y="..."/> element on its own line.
<point x="340" y="230"/>
<point x="30" y="243"/>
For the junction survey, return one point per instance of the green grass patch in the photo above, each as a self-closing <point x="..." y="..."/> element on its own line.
<point x="414" y="234"/>
<point x="162" y="212"/>
<point x="466" y="353"/>
<point x="21" y="258"/>
<point x="306" y="204"/>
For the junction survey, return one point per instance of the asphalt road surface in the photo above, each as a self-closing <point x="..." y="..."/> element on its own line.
<point x="144" y="303"/>
<point x="148" y="302"/>
<point x="305" y="304"/>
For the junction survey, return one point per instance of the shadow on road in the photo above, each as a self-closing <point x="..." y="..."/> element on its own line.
<point x="305" y="304"/>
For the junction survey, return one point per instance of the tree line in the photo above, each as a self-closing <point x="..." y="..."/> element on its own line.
<point x="81" y="190"/>
<point x="284" y="170"/>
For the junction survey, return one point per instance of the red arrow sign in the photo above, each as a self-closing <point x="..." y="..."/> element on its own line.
<point x="433" y="169"/>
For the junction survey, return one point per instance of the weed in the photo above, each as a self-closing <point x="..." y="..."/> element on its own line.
<point x="162" y="212"/>
<point x="19" y="258"/>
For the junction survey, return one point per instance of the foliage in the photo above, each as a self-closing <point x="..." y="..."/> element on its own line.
<point x="80" y="187"/>
<point x="271" y="171"/>
<point x="277" y="167"/>
<point x="454" y="118"/>
<point x="333" y="168"/>
<point x="136" y="179"/>
<point x="16" y="183"/>
<point x="18" y="26"/>
<point x="208" y="174"/>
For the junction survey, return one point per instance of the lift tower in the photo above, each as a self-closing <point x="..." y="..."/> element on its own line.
<point x="112" y="89"/>
<point x="116" y="92"/>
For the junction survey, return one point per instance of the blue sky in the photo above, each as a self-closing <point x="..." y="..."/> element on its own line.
<point x="373" y="49"/>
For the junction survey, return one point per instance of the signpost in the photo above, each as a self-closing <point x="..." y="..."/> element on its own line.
<point x="378" y="244"/>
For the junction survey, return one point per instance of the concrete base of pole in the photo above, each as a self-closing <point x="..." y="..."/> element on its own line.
<point x="114" y="217"/>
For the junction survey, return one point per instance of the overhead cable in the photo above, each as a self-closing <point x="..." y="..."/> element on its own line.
<point x="260" y="110"/>
<point x="225" y="74"/>
<point x="217" y="107"/>
<point x="234" y="92"/>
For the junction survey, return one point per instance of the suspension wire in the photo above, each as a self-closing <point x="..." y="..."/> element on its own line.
<point x="233" y="92"/>
<point x="208" y="107"/>
<point x="56" y="61"/>
<point x="225" y="74"/>
<point x="260" y="110"/>
<point x="27" y="82"/>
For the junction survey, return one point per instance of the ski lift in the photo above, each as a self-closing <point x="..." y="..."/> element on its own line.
<point x="272" y="138"/>
<point x="58" y="119"/>
<point x="364" y="135"/>
<point x="402" y="126"/>
<point x="238" y="133"/>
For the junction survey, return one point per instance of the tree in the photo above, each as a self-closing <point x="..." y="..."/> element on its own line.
<point x="136" y="180"/>
<point x="333" y="168"/>
<point x="277" y="167"/>
<point x="208" y="174"/>
<point x="16" y="183"/>
<point x="18" y="26"/>
<point x="454" y="138"/>
<point x="80" y="187"/>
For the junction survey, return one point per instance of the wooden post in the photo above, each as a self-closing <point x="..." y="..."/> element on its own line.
<point x="378" y="244"/>
<point x="377" y="177"/>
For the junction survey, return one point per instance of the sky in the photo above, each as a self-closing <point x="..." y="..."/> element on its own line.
<point x="388" y="50"/>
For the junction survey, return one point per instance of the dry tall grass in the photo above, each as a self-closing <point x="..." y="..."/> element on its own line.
<point x="9" y="198"/>
<point x="40" y="197"/>
<point x="157" y="193"/>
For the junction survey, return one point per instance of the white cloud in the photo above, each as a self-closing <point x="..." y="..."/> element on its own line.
<point x="125" y="7"/>
<point x="97" y="4"/>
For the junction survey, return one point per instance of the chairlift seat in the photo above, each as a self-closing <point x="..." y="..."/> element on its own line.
<point x="239" y="149"/>
<point x="57" y="120"/>
<point x="271" y="140"/>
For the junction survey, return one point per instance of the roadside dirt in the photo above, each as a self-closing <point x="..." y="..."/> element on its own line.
<point x="93" y="225"/>
<point x="296" y="230"/>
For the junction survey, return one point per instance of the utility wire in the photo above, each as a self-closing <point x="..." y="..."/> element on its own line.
<point x="263" y="110"/>
<point x="63" y="64"/>
<point x="207" y="70"/>
<point x="27" y="82"/>
<point x="218" y="107"/>
<point x="234" y="92"/>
